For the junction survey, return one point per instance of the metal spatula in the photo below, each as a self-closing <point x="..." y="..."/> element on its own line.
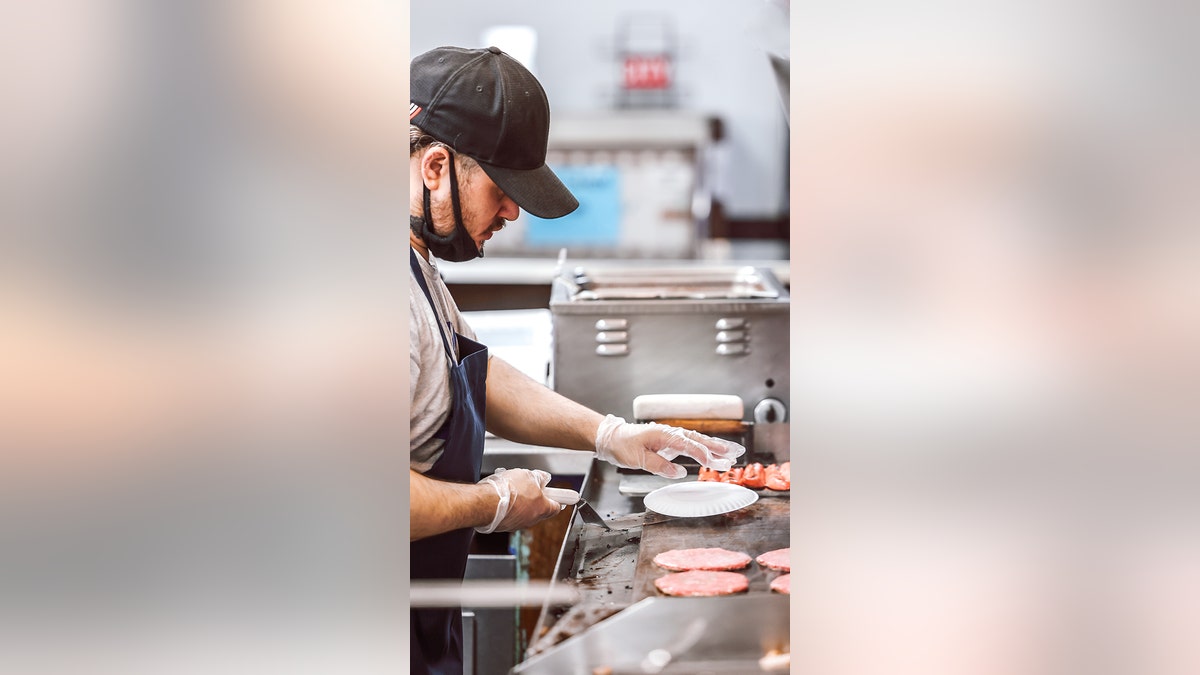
<point x="571" y="497"/>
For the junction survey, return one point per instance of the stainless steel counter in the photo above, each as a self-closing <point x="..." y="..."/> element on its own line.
<point x="678" y="636"/>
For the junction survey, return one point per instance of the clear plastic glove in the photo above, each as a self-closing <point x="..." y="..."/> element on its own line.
<point x="522" y="502"/>
<point x="652" y="446"/>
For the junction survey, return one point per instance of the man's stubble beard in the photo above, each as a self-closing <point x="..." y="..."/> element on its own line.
<point x="442" y="213"/>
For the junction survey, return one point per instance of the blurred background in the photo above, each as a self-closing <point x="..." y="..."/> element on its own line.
<point x="201" y="336"/>
<point x="994" y="337"/>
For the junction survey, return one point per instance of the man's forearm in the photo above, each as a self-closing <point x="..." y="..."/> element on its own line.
<point x="437" y="506"/>
<point x="524" y="411"/>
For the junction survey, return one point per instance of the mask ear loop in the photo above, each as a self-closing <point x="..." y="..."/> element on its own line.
<point x="427" y="229"/>
<point x="455" y="203"/>
<point x="458" y="221"/>
<point x="428" y="233"/>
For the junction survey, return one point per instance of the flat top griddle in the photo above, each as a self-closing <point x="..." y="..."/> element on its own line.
<point x="763" y="526"/>
<point x="613" y="570"/>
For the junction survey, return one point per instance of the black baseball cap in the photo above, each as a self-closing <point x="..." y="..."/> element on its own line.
<point x="486" y="105"/>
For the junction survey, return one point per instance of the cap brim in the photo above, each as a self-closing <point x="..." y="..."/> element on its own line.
<point x="538" y="191"/>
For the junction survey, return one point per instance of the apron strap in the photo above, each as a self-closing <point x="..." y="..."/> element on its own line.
<point x="420" y="275"/>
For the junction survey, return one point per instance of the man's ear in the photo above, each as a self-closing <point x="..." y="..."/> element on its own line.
<point x="435" y="166"/>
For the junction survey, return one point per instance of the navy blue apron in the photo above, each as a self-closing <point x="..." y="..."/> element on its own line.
<point x="435" y="639"/>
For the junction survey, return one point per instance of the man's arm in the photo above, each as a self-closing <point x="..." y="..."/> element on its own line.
<point x="437" y="506"/>
<point x="524" y="411"/>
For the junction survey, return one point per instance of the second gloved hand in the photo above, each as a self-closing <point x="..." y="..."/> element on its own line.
<point x="522" y="502"/>
<point x="652" y="446"/>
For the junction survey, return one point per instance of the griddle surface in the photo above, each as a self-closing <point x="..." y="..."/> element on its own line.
<point x="763" y="526"/>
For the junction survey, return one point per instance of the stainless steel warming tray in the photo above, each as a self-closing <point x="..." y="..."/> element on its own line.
<point x="674" y="284"/>
<point x="619" y="333"/>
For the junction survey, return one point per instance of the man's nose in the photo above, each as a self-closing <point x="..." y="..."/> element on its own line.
<point x="509" y="209"/>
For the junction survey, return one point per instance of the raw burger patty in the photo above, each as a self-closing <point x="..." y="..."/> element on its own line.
<point x="779" y="559"/>
<point x="782" y="584"/>
<point x="699" y="583"/>
<point x="684" y="559"/>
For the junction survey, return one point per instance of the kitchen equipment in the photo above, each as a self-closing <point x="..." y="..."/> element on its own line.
<point x="589" y="515"/>
<point x="620" y="333"/>
<point x="585" y="510"/>
<point x="613" y="573"/>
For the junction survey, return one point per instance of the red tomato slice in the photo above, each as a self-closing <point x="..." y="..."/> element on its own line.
<point x="780" y="478"/>
<point x="754" y="477"/>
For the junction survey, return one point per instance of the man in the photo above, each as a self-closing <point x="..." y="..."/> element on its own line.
<point x="479" y="123"/>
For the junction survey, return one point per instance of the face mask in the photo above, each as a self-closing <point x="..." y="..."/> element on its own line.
<point x="458" y="246"/>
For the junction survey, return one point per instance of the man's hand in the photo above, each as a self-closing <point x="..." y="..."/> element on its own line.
<point x="522" y="502"/>
<point x="651" y="446"/>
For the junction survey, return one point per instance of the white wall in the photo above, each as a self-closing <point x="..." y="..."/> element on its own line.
<point x="722" y="69"/>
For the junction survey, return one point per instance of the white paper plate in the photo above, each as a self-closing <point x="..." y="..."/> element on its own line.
<point x="697" y="499"/>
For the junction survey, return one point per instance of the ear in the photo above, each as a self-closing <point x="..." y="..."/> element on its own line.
<point x="435" y="166"/>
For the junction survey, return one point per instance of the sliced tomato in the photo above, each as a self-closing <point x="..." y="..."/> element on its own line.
<point x="733" y="475"/>
<point x="755" y="476"/>
<point x="709" y="474"/>
<point x="768" y="471"/>
<point x="780" y="477"/>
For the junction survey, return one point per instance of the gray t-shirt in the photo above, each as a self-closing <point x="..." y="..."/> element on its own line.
<point x="428" y="366"/>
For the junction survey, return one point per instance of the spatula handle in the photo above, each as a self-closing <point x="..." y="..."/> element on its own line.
<point x="565" y="497"/>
